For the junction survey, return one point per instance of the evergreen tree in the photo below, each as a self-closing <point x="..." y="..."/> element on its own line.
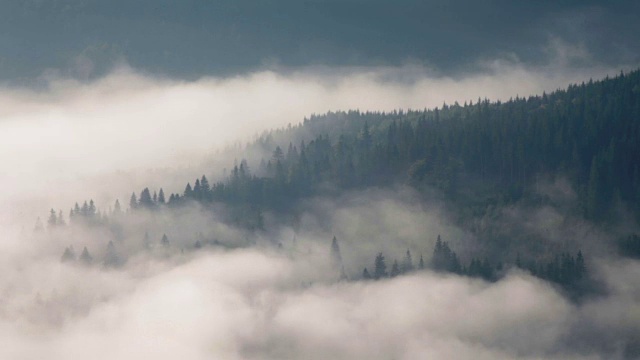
<point x="278" y="155"/>
<point x="365" y="274"/>
<point x="145" y="200"/>
<point x="395" y="269"/>
<point x="117" y="210"/>
<point x="133" y="202"/>
<point x="61" y="221"/>
<point x="53" y="219"/>
<point x="336" y="257"/>
<point x="407" y="263"/>
<point x="165" y="240"/>
<point x="85" y="257"/>
<point x="188" y="191"/>
<point x="92" y="209"/>
<point x="161" y="199"/>
<point x="380" y="267"/>
<point x="197" y="190"/>
<point x="69" y="255"/>
<point x="421" y="263"/>
<point x="205" y="188"/>
<point x="112" y="257"/>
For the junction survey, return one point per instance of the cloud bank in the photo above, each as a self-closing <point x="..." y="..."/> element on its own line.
<point x="105" y="138"/>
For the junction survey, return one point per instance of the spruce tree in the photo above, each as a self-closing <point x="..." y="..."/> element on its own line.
<point x="395" y="269"/>
<point x="61" y="221"/>
<point x="133" y="202"/>
<point x="145" y="199"/>
<point x="69" y="255"/>
<point x="52" y="222"/>
<point x="85" y="257"/>
<point x="336" y="257"/>
<point x="407" y="263"/>
<point x="165" y="240"/>
<point x="112" y="258"/>
<point x="365" y="274"/>
<point x="117" y="210"/>
<point x="380" y="267"/>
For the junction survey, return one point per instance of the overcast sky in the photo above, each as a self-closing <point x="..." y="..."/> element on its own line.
<point x="192" y="38"/>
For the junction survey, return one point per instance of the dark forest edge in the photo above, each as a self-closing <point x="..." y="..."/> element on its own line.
<point x="478" y="155"/>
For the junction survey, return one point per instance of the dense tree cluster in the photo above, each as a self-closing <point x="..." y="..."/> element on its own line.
<point x="478" y="154"/>
<point x="397" y="268"/>
<point x="564" y="269"/>
<point x="588" y="132"/>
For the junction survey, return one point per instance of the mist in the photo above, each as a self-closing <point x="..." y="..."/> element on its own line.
<point x="269" y="295"/>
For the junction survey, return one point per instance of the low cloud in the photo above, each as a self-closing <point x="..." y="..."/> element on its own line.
<point x="103" y="139"/>
<point x="248" y="304"/>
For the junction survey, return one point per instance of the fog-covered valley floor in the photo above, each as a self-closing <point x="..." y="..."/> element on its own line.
<point x="271" y="294"/>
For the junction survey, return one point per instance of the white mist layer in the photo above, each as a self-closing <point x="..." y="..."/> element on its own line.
<point x="105" y="139"/>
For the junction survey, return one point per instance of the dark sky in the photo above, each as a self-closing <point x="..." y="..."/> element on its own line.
<point x="192" y="38"/>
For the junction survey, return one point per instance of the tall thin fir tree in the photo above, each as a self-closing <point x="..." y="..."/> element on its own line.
<point x="380" y="267"/>
<point x="336" y="257"/>
<point x="52" y="222"/>
<point x="161" y="199"/>
<point x="133" y="202"/>
<point x="61" y="221"/>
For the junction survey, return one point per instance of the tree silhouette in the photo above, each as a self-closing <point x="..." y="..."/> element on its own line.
<point x="380" y="267"/>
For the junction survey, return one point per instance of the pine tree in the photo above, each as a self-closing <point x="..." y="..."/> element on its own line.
<point x="133" y="202"/>
<point x="278" y="155"/>
<point x="188" y="191"/>
<point x="145" y="199"/>
<point x="407" y="263"/>
<point x="85" y="257"/>
<point x="205" y="188"/>
<point x="161" y="199"/>
<point x="165" y="240"/>
<point x="53" y="219"/>
<point x="395" y="269"/>
<point x="92" y="209"/>
<point x="61" y="221"/>
<point x="69" y="255"/>
<point x="365" y="274"/>
<point x="117" y="210"/>
<point x="336" y="257"/>
<point x="197" y="191"/>
<point x="421" y="263"/>
<point x="380" y="267"/>
<point x="112" y="258"/>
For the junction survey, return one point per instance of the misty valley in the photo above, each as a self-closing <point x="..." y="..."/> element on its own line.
<point x="487" y="230"/>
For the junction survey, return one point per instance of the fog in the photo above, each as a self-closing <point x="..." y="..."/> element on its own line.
<point x="242" y="296"/>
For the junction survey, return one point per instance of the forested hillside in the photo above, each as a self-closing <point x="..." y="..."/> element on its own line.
<point x="589" y="133"/>
<point x="478" y="158"/>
